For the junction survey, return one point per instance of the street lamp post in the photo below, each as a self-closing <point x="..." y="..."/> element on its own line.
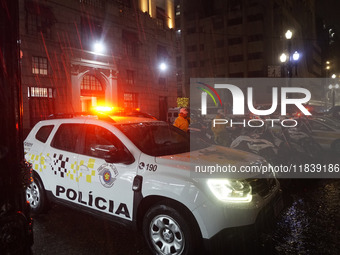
<point x="288" y="36"/>
<point x="333" y="89"/>
<point x="290" y="60"/>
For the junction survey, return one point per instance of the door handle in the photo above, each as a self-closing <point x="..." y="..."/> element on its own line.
<point x="83" y="168"/>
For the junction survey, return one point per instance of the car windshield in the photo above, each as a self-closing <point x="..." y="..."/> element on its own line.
<point x="160" y="138"/>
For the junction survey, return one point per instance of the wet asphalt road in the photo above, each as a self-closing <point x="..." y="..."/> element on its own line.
<point x="64" y="230"/>
<point x="309" y="224"/>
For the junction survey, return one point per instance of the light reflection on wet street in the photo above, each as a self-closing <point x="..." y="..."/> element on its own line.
<point x="311" y="223"/>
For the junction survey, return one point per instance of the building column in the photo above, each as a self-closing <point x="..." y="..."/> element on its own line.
<point x="170" y="11"/>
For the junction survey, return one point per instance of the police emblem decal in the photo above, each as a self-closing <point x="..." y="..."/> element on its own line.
<point x="107" y="175"/>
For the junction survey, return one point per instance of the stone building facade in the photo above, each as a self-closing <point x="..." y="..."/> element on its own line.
<point x="244" y="39"/>
<point x="63" y="72"/>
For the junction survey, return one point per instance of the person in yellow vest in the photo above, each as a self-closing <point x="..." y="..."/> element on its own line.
<point x="221" y="136"/>
<point x="183" y="120"/>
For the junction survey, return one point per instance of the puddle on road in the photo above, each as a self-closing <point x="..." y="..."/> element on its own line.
<point x="311" y="224"/>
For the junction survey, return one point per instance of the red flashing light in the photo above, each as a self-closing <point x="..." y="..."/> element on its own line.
<point x="112" y="110"/>
<point x="103" y="109"/>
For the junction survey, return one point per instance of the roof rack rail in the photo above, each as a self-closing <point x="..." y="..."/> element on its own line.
<point x="60" y="115"/>
<point x="100" y="116"/>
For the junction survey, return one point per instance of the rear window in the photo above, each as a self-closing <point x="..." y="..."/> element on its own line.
<point x="67" y="137"/>
<point x="43" y="133"/>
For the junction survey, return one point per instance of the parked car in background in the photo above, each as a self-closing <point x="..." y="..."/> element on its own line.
<point x="325" y="131"/>
<point x="173" y="114"/>
<point x="334" y="112"/>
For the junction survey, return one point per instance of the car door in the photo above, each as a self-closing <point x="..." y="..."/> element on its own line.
<point x="105" y="187"/>
<point x="61" y="162"/>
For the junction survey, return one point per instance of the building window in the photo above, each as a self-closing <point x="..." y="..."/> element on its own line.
<point x="40" y="92"/>
<point x="236" y="40"/>
<point x="160" y="17"/>
<point x="236" y="75"/>
<point x="39" y="65"/>
<point x="162" y="81"/>
<point x="219" y="43"/>
<point x="255" y="38"/>
<point x="93" y="3"/>
<point x="255" y="55"/>
<point x="218" y="23"/>
<point x="234" y="22"/>
<point x="178" y="10"/>
<point x="192" y="64"/>
<point x="256" y="74"/>
<point x="234" y="5"/>
<point x="256" y="17"/>
<point x="39" y="19"/>
<point x="178" y="62"/>
<point x="41" y="103"/>
<point x="162" y="53"/>
<point x="191" y="30"/>
<point x="91" y="86"/>
<point x="130" y="43"/>
<point x="131" y="49"/>
<point x="219" y="61"/>
<point x="130" y="100"/>
<point x="236" y="58"/>
<point x="192" y="48"/>
<point x="130" y="77"/>
<point x="123" y="3"/>
<point x="91" y="30"/>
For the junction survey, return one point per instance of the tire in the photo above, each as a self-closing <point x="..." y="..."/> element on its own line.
<point x="167" y="232"/>
<point x="36" y="196"/>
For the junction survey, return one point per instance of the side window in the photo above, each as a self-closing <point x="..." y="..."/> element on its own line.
<point x="43" y="133"/>
<point x="99" y="140"/>
<point x="164" y="136"/>
<point x="67" y="137"/>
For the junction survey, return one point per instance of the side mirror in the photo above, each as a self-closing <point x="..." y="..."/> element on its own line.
<point x="111" y="154"/>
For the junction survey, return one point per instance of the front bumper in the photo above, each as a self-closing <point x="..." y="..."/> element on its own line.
<point x="264" y="223"/>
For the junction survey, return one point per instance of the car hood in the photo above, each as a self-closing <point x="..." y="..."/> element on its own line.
<point x="212" y="156"/>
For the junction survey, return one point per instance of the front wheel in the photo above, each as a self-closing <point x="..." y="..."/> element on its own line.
<point x="167" y="232"/>
<point x="35" y="195"/>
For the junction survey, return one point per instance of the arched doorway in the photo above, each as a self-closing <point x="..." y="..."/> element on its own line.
<point x="92" y="92"/>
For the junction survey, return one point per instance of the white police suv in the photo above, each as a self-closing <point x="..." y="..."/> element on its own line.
<point x="138" y="171"/>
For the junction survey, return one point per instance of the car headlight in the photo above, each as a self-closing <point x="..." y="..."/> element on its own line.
<point x="227" y="190"/>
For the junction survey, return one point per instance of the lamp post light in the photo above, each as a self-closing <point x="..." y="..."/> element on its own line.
<point x="290" y="61"/>
<point x="163" y="66"/>
<point x="98" y="47"/>
<point x="288" y="34"/>
<point x="283" y="58"/>
<point x="296" y="56"/>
